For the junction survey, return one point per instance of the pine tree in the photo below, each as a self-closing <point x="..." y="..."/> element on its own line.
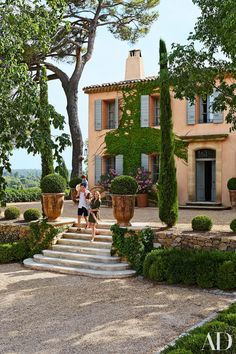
<point x="45" y="130"/>
<point x="168" y="200"/>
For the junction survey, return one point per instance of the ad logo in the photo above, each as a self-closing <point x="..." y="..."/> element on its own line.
<point x="221" y="338"/>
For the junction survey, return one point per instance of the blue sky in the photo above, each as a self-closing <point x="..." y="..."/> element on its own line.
<point x="176" y="20"/>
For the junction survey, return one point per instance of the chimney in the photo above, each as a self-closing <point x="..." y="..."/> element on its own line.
<point x="134" y="65"/>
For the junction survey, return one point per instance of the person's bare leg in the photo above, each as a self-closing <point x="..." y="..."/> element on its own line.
<point x="86" y="220"/>
<point x="93" y="231"/>
<point x="78" y="225"/>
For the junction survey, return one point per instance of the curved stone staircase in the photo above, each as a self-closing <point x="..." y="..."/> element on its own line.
<point x="74" y="253"/>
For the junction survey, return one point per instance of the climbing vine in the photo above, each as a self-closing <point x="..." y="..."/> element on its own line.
<point x="130" y="139"/>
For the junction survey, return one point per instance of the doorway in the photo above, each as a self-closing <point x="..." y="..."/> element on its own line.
<point x="206" y="175"/>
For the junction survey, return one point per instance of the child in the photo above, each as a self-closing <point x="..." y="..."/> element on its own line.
<point x="85" y="181"/>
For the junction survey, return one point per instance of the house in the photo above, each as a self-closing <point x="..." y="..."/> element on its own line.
<point x="211" y="147"/>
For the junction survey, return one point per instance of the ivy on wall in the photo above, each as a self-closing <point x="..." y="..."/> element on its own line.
<point x="130" y="139"/>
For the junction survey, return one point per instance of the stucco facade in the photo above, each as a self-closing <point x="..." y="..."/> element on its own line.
<point x="211" y="147"/>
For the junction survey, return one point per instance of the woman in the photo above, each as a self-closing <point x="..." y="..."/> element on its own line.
<point x="93" y="213"/>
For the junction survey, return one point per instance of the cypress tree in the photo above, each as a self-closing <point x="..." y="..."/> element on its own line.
<point x="61" y="169"/>
<point x="44" y="127"/>
<point x="168" y="200"/>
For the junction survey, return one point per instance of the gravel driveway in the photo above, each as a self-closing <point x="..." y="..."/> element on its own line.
<point x="48" y="313"/>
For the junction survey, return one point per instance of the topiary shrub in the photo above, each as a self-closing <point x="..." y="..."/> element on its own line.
<point x="12" y="213"/>
<point x="233" y="225"/>
<point x="232" y="183"/>
<point x="74" y="181"/>
<point x="201" y="223"/>
<point x="32" y="214"/>
<point x="53" y="183"/>
<point x="226" y="276"/>
<point x="124" y="185"/>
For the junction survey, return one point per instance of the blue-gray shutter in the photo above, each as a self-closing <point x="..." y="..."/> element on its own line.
<point x="116" y="113"/>
<point x="190" y="113"/>
<point x="98" y="168"/>
<point x="119" y="164"/>
<point x="144" y="161"/>
<point x="218" y="117"/>
<point x="200" y="181"/>
<point x="98" y="114"/>
<point x="144" y="111"/>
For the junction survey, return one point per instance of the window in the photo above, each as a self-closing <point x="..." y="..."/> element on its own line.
<point x="156" y="111"/>
<point x="205" y="154"/>
<point x="205" y="116"/>
<point x="111" y="115"/>
<point x="110" y="163"/>
<point x="155" y="168"/>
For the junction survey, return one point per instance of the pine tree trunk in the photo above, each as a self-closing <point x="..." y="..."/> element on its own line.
<point x="76" y="135"/>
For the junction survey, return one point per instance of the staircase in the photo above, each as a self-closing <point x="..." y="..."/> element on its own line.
<point x="74" y="253"/>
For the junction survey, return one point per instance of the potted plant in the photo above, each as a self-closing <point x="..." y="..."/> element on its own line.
<point x="72" y="184"/>
<point x="123" y="189"/>
<point x="53" y="191"/>
<point x="232" y="191"/>
<point x="144" y="186"/>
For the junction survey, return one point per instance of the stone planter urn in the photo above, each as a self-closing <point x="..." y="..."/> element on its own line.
<point x="53" y="204"/>
<point x="123" y="208"/>
<point x="142" y="200"/>
<point x="232" y="191"/>
<point x="123" y="190"/>
<point x="53" y="192"/>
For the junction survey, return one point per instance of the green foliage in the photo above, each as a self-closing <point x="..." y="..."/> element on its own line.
<point x="22" y="195"/>
<point x="133" y="245"/>
<point x="202" y="223"/>
<point x="168" y="200"/>
<point x="206" y="269"/>
<point x="226" y="279"/>
<point x="193" y="342"/>
<point x="13" y="252"/>
<point x="61" y="169"/>
<point x="12" y="213"/>
<point x="53" y="183"/>
<point x="74" y="181"/>
<point x="32" y="214"/>
<point x="125" y="185"/>
<point x="233" y="225"/>
<point x="231" y="184"/>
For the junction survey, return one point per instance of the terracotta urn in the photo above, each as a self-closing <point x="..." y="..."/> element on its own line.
<point x="53" y="205"/>
<point x="142" y="200"/>
<point x="232" y="196"/>
<point x="123" y="208"/>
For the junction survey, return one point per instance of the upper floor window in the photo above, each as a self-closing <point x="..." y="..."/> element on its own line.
<point x="156" y="111"/>
<point x="111" y="115"/>
<point x="205" y="113"/>
<point x="155" y="165"/>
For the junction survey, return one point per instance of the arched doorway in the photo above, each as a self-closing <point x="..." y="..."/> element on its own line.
<point x="205" y="175"/>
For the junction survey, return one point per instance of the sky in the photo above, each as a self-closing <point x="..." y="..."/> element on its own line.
<point x="176" y="20"/>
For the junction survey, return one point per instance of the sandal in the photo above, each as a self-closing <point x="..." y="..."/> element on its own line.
<point x="78" y="229"/>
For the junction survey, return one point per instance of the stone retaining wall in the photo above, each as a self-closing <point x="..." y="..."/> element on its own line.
<point x="206" y="241"/>
<point x="12" y="233"/>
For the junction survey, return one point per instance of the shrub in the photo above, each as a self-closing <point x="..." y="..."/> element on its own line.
<point x="124" y="185"/>
<point x="12" y="213"/>
<point x="53" y="183"/>
<point x="106" y="179"/>
<point x="21" y="195"/>
<point x="12" y="252"/>
<point x="231" y="183"/>
<point x="206" y="269"/>
<point x="32" y="214"/>
<point x="233" y="225"/>
<point x="226" y="276"/>
<point x="144" y="181"/>
<point x="74" y="181"/>
<point x="201" y="223"/>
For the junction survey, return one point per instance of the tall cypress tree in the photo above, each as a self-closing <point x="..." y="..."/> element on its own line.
<point x="168" y="200"/>
<point x="44" y="126"/>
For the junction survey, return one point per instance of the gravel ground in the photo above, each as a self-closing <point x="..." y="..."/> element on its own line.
<point x="48" y="313"/>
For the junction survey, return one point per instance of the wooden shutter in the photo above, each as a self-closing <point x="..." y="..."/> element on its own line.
<point x="144" y="111"/>
<point x="190" y="113"/>
<point x="116" y="113"/>
<point x="119" y="164"/>
<point x="217" y="117"/>
<point x="98" y="114"/>
<point x="98" y="168"/>
<point x="144" y="161"/>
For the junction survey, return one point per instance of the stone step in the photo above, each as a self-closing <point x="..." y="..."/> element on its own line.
<point x="84" y="243"/>
<point x="204" y="207"/>
<point x="80" y="264"/>
<point x="87" y="236"/>
<point x="30" y="263"/>
<point x="81" y="256"/>
<point x="100" y="226"/>
<point x="86" y="250"/>
<point x="103" y="231"/>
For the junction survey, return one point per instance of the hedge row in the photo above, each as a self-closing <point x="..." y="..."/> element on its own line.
<point x="195" y="342"/>
<point x="13" y="252"/>
<point x="22" y="195"/>
<point x="206" y="269"/>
